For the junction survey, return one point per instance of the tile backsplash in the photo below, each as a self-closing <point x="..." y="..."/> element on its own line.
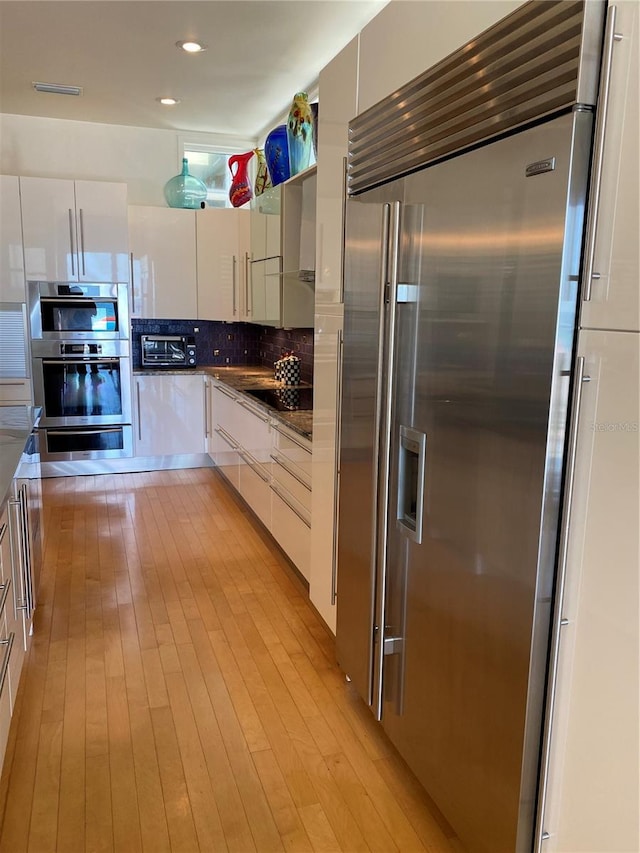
<point x="231" y="343"/>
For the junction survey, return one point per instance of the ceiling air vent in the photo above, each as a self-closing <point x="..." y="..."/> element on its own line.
<point x="57" y="89"/>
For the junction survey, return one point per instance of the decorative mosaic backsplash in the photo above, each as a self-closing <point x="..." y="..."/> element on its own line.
<point x="231" y="343"/>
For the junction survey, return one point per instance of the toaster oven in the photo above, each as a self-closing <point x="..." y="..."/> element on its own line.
<point x="168" y="351"/>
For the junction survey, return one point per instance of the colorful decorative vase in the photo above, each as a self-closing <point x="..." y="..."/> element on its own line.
<point x="240" y="191"/>
<point x="184" y="190"/>
<point x="314" y="112"/>
<point x="276" y="151"/>
<point x="263" y="181"/>
<point x="300" y="133"/>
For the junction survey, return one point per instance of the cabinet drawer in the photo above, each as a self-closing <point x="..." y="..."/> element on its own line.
<point x="253" y="431"/>
<point x="292" y="479"/>
<point x="225" y="455"/>
<point x="15" y="391"/>
<point x="291" y="528"/>
<point x="294" y="450"/>
<point x="254" y="488"/>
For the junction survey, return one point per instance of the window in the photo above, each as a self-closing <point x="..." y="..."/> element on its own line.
<point x="210" y="165"/>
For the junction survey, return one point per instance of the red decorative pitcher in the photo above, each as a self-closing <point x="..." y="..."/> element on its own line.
<point x="240" y="191"/>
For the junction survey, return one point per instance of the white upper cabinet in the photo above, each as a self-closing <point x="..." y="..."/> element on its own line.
<point x="74" y="230"/>
<point x="12" y="280"/>
<point x="615" y="289"/>
<point x="163" y="262"/>
<point x="338" y="88"/>
<point x="223" y="246"/>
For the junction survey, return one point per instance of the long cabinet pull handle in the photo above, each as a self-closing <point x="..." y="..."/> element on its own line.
<point x="598" y="152"/>
<point x="227" y="393"/>
<point x="290" y="505"/>
<point x="206" y="409"/>
<point x="285" y="467"/>
<point x="291" y="438"/>
<point x="3" y="533"/>
<point x="224" y="435"/>
<point x="384" y="399"/>
<point x="27" y="566"/>
<point x="247" y="286"/>
<point x="233" y="284"/>
<point x="254" y="465"/>
<point x="344" y="227"/>
<point x="16" y="543"/>
<point x="139" y="410"/>
<point x="5" y="592"/>
<point x="84" y="271"/>
<point x="133" y="284"/>
<point x="7" y="656"/>
<point x="73" y="251"/>
<point x="336" y="470"/>
<point x="250" y="408"/>
<point x="558" y="622"/>
<point x="4" y="383"/>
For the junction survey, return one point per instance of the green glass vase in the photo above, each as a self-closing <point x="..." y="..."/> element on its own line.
<point x="184" y="190"/>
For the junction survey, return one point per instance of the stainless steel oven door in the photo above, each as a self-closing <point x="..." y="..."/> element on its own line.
<point x="91" y="389"/>
<point x="78" y="311"/>
<point x="100" y="442"/>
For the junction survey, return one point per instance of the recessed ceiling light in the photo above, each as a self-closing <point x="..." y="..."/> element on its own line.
<point x="168" y="102"/>
<point x="191" y="46"/>
<point x="57" y="89"/>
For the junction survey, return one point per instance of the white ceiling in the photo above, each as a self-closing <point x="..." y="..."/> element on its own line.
<point x="123" y="54"/>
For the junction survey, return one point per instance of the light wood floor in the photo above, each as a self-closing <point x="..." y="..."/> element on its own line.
<point x="181" y="693"/>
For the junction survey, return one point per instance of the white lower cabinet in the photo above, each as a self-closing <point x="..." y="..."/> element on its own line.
<point x="593" y="789"/>
<point x="7" y="642"/>
<point x="291" y="496"/>
<point x="170" y="414"/>
<point x="268" y="465"/>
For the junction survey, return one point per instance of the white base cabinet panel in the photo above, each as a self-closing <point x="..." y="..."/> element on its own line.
<point x="170" y="415"/>
<point x="593" y="789"/>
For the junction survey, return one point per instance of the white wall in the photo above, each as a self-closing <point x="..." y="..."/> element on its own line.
<point x="407" y="37"/>
<point x="143" y="158"/>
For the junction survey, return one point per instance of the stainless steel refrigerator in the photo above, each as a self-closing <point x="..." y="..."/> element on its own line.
<point x="461" y="287"/>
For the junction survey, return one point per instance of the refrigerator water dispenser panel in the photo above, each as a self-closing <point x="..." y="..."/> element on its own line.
<point x="411" y="469"/>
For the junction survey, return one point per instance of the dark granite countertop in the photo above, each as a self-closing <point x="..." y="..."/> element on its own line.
<point x="250" y="377"/>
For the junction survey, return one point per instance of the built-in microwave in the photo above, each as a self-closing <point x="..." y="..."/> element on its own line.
<point x="81" y="312"/>
<point x="168" y="351"/>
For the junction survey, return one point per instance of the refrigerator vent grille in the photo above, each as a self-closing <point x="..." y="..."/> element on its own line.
<point x="536" y="62"/>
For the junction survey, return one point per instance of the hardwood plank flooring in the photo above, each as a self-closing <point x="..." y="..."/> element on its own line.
<point x="181" y="694"/>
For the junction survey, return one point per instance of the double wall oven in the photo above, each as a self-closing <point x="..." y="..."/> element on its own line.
<point x="80" y="353"/>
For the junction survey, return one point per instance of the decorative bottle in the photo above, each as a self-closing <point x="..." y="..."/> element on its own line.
<point x="276" y="151"/>
<point x="240" y="191"/>
<point x="184" y="190"/>
<point x="263" y="181"/>
<point x="300" y="133"/>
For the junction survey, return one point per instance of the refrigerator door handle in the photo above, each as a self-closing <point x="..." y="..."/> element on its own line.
<point x="384" y="398"/>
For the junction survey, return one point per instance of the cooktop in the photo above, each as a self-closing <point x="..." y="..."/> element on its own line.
<point x="288" y="399"/>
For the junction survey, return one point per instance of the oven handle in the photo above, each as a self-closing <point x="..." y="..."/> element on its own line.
<point x="85" y="359"/>
<point x="82" y="431"/>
